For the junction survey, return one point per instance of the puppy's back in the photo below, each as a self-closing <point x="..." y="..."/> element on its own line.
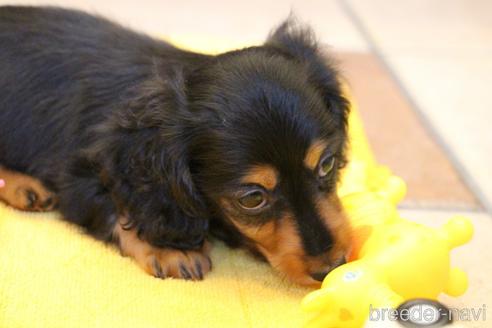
<point x="60" y="72"/>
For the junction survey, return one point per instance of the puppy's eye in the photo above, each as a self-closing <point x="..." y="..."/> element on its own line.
<point x="326" y="165"/>
<point x="252" y="199"/>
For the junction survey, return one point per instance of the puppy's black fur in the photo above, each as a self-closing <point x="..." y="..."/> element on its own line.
<point x="117" y="123"/>
<point x="98" y="114"/>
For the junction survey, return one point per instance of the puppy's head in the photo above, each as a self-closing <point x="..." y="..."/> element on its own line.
<point x="267" y="152"/>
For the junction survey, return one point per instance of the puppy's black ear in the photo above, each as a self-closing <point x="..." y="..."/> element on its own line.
<point x="295" y="39"/>
<point x="299" y="43"/>
<point x="144" y="150"/>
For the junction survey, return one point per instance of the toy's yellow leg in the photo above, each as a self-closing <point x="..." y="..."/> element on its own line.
<point x="458" y="282"/>
<point x="458" y="230"/>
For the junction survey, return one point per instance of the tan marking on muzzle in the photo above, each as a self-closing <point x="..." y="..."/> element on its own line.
<point x="281" y="244"/>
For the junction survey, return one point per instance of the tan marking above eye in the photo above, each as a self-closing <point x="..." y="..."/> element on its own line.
<point x="263" y="175"/>
<point x="314" y="153"/>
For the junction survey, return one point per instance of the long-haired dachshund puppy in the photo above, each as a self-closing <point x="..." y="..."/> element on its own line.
<point x="156" y="148"/>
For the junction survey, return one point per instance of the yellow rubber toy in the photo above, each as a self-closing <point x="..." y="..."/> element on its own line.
<point x="393" y="259"/>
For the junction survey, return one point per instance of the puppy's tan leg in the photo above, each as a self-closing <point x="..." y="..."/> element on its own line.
<point x="163" y="262"/>
<point x="24" y="192"/>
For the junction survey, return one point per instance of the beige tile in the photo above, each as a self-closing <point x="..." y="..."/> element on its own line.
<point x="461" y="26"/>
<point x="398" y="138"/>
<point x="441" y="51"/>
<point x="235" y="23"/>
<point x="454" y="95"/>
<point x="475" y="258"/>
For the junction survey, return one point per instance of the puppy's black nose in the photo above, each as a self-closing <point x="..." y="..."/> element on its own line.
<point x="338" y="262"/>
<point x="319" y="276"/>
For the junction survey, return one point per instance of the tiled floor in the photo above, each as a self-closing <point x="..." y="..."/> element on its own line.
<point x="441" y="52"/>
<point x="421" y="71"/>
<point x="400" y="141"/>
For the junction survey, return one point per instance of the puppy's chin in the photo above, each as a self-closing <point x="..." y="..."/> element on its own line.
<point x="293" y="269"/>
<point x="286" y="269"/>
<point x="302" y="270"/>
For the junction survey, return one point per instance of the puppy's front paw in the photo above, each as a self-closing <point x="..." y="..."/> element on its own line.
<point x="164" y="262"/>
<point x="36" y="198"/>
<point x="26" y="193"/>
<point x="189" y="265"/>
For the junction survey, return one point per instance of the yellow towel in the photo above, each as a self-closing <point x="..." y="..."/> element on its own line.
<point x="52" y="275"/>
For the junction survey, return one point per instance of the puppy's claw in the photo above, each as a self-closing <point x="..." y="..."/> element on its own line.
<point x="184" y="272"/>
<point x="31" y="198"/>
<point x="157" y="269"/>
<point x="48" y="203"/>
<point x="199" y="271"/>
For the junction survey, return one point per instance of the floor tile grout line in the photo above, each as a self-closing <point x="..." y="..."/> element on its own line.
<point x="463" y="173"/>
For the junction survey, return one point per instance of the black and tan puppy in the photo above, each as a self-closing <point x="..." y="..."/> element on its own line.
<point x="156" y="148"/>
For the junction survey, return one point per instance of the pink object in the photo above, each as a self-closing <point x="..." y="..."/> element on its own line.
<point x="2" y="183"/>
